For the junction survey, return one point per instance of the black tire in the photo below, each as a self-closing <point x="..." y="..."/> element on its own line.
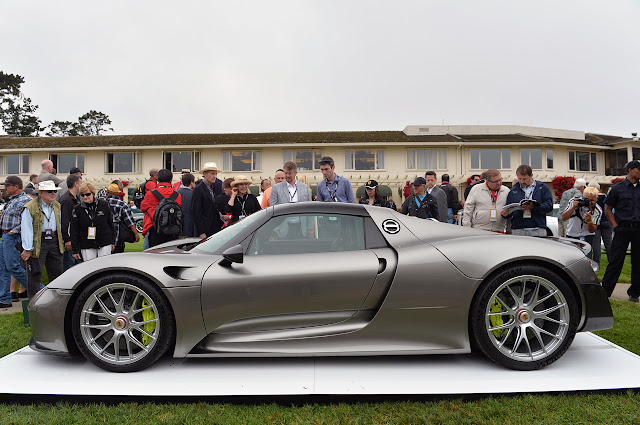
<point x="139" y="225"/>
<point x="107" y="328"/>
<point x="506" y="320"/>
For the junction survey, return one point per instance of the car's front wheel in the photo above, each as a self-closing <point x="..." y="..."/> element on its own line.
<point x="524" y="318"/>
<point x="122" y="323"/>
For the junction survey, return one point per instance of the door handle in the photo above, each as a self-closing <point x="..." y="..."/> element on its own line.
<point x="382" y="265"/>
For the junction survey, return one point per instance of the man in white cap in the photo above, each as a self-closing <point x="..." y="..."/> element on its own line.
<point x="41" y="235"/>
<point x="206" y="218"/>
<point x="567" y="196"/>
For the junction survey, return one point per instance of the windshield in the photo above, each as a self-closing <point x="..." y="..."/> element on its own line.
<point x="214" y="242"/>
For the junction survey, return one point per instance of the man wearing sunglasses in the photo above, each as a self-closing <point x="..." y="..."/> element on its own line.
<point x="41" y="233"/>
<point x="9" y="256"/>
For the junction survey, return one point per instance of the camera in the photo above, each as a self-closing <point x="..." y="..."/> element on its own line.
<point x="584" y="202"/>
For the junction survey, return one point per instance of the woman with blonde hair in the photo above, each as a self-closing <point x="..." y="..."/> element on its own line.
<point x="91" y="227"/>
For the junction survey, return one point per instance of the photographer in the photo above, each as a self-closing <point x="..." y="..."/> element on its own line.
<point x="583" y="216"/>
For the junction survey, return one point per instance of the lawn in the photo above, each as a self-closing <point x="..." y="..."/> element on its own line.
<point x="625" y="275"/>
<point x="622" y="408"/>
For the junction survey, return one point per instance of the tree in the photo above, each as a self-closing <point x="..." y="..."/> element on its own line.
<point x="17" y="113"/>
<point x="63" y="128"/>
<point x="18" y="118"/>
<point x="92" y="123"/>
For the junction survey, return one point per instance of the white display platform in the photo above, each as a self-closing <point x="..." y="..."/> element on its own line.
<point x="592" y="363"/>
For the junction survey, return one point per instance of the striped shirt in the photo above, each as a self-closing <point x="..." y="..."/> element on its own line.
<point x="11" y="214"/>
<point x="576" y="226"/>
<point x="121" y="213"/>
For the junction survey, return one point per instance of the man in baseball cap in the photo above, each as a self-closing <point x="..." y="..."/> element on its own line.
<point x="624" y="197"/>
<point x="421" y="204"/>
<point x="9" y="256"/>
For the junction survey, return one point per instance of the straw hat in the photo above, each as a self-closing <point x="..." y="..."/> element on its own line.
<point x="209" y="166"/>
<point x="239" y="180"/>
<point x="47" y="185"/>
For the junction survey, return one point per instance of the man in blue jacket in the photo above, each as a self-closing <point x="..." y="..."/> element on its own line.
<point x="531" y="218"/>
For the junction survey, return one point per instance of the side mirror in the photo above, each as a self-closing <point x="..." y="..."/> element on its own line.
<point x="235" y="254"/>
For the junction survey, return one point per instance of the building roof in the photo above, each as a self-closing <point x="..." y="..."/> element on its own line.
<point x="476" y="134"/>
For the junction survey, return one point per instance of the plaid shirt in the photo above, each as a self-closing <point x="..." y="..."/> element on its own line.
<point x="12" y="212"/>
<point x="121" y="213"/>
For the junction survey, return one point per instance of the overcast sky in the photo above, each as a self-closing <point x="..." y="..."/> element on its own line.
<point x="263" y="66"/>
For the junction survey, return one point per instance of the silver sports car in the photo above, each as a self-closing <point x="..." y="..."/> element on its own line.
<point x="326" y="279"/>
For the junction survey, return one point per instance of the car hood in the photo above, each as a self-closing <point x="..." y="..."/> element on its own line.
<point x="166" y="266"/>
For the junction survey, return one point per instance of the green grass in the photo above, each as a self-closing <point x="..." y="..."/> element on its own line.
<point x="625" y="275"/>
<point x="622" y="408"/>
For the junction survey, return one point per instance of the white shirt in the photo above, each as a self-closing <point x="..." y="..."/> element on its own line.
<point x="576" y="227"/>
<point x="430" y="190"/>
<point x="293" y="192"/>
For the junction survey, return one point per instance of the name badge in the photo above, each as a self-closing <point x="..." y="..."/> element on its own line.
<point x="526" y="214"/>
<point x="91" y="233"/>
<point x="493" y="214"/>
<point x="48" y="234"/>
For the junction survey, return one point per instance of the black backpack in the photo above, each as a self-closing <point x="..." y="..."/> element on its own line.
<point x="168" y="218"/>
<point x="139" y="193"/>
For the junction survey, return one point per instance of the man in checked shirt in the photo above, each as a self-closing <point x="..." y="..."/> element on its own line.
<point x="121" y="213"/>
<point x="9" y="255"/>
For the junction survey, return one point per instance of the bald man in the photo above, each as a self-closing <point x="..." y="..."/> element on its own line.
<point x="46" y="173"/>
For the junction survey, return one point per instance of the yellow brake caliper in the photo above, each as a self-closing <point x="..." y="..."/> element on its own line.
<point x="147" y="315"/>
<point x="496" y="320"/>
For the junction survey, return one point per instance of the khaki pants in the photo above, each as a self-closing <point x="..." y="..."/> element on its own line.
<point x="562" y="228"/>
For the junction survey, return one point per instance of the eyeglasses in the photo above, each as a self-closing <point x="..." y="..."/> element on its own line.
<point x="52" y="191"/>
<point x="84" y="195"/>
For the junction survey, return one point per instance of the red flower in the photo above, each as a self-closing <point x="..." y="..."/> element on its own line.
<point x="562" y="183"/>
<point x="125" y="183"/>
<point x="406" y="190"/>
<point x="616" y="180"/>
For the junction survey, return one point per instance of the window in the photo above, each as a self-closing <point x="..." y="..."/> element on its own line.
<point x="14" y="164"/>
<point x="485" y="159"/>
<point x="241" y="161"/>
<point x="64" y="162"/>
<point x="582" y="161"/>
<point x="182" y="160"/>
<point x="550" y="159"/>
<point x="305" y="160"/>
<point x="308" y="233"/>
<point x="532" y="157"/>
<point x="122" y="162"/>
<point x="615" y="163"/>
<point x="426" y="159"/>
<point x="366" y="159"/>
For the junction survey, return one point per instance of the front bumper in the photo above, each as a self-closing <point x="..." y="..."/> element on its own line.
<point x="47" y="316"/>
<point x="598" y="314"/>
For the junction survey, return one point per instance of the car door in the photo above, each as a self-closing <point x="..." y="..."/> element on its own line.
<point x="299" y="270"/>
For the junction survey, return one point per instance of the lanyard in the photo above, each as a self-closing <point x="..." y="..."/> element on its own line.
<point x="45" y="214"/>
<point x="294" y="192"/>
<point x="242" y="202"/>
<point x="90" y="217"/>
<point x="494" y="198"/>
<point x="335" y="191"/>
<point x="528" y="192"/>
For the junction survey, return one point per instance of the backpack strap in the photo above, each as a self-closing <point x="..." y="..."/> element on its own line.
<point x="174" y="196"/>
<point x="157" y="194"/>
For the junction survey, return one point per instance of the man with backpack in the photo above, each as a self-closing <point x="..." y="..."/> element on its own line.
<point x="162" y="208"/>
<point x="421" y="204"/>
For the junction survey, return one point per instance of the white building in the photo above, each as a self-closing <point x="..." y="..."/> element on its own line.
<point x="390" y="157"/>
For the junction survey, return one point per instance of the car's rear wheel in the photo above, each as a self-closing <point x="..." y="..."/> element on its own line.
<point x="139" y="225"/>
<point x="524" y="318"/>
<point x="122" y="323"/>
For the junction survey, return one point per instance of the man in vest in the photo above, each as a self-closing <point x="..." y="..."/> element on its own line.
<point x="41" y="234"/>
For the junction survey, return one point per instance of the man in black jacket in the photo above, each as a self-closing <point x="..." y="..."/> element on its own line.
<point x="420" y="204"/>
<point x="67" y="202"/>
<point x="453" y="203"/>
<point x="206" y="218"/>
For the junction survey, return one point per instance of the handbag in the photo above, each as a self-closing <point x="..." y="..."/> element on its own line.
<point x="126" y="234"/>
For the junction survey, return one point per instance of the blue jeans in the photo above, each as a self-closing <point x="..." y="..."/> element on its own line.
<point x="10" y="266"/>
<point x="145" y="244"/>
<point x="450" y="216"/>
<point x="68" y="261"/>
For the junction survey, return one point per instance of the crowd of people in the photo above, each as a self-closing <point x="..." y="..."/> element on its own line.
<point x="54" y="224"/>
